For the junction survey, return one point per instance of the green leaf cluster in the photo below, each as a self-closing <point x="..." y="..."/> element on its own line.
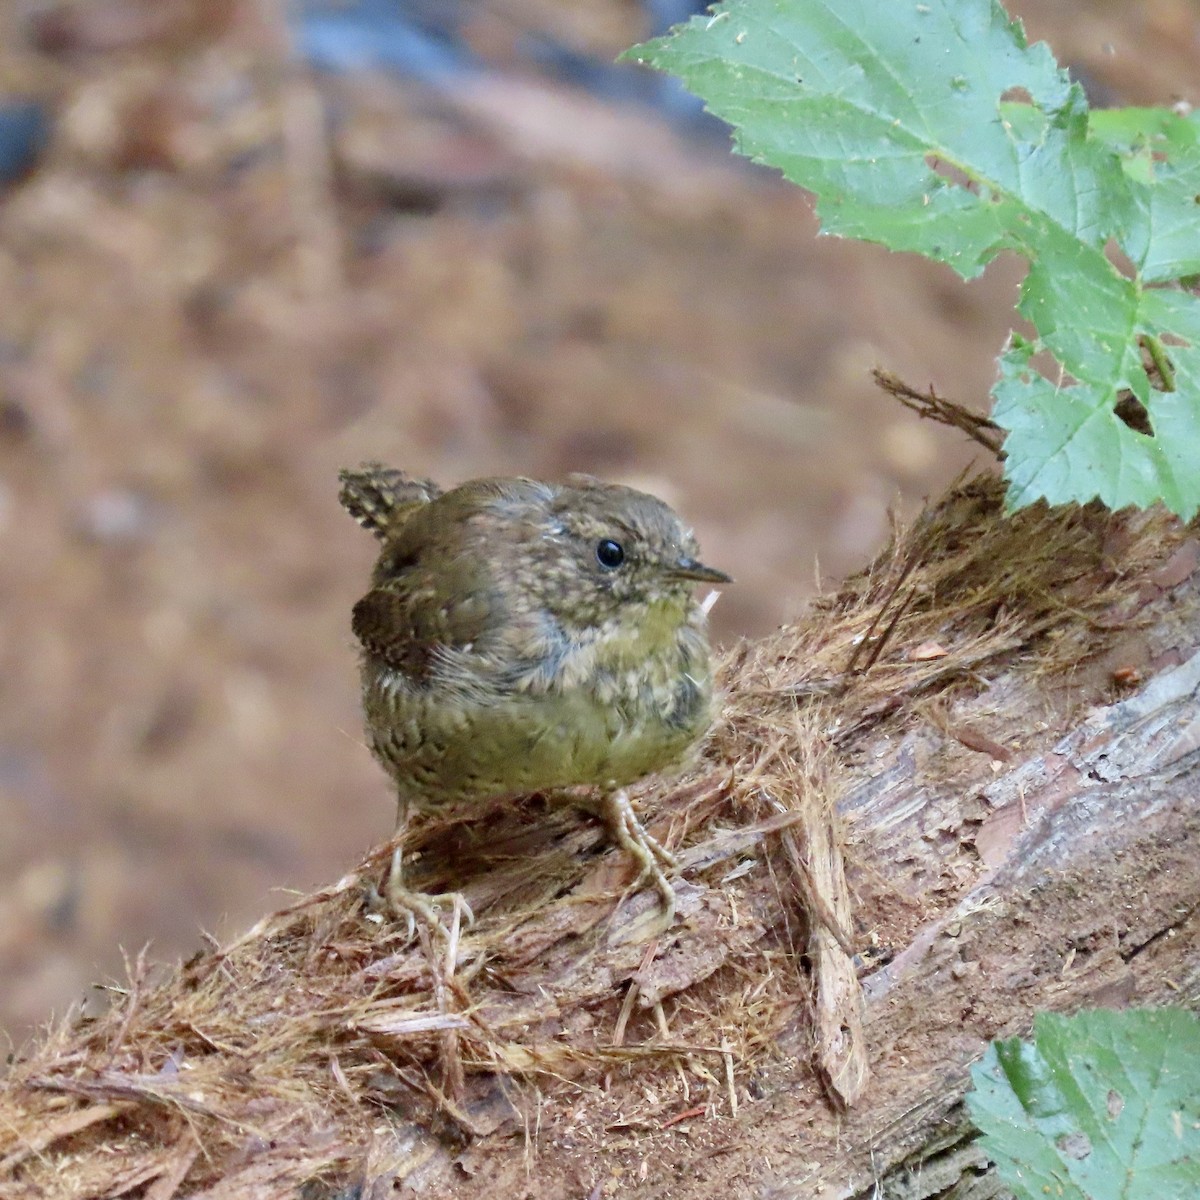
<point x="1100" y="1106"/>
<point x="934" y="127"/>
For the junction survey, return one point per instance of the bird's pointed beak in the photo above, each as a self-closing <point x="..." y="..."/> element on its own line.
<point x="689" y="568"/>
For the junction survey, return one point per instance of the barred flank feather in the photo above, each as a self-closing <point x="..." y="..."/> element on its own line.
<point x="381" y="498"/>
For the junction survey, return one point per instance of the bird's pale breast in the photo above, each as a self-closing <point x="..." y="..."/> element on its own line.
<point x="603" y="719"/>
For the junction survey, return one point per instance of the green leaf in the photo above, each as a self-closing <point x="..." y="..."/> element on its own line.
<point x="1066" y="442"/>
<point x="934" y="127"/>
<point x="1161" y="150"/>
<point x="1100" y="1106"/>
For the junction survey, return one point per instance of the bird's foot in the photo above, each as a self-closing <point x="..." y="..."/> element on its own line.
<point x="422" y="908"/>
<point x="629" y="833"/>
<point x="426" y="908"/>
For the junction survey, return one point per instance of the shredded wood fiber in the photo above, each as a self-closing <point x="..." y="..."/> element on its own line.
<point x="291" y="1056"/>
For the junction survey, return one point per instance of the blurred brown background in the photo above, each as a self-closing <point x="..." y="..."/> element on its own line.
<point x="225" y="275"/>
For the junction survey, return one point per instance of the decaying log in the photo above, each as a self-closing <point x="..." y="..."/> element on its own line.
<point x="974" y="768"/>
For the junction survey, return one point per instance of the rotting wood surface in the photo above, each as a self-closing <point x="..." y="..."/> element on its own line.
<point x="1015" y="760"/>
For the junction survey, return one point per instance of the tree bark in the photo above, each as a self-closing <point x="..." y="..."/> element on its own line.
<point x="1005" y="711"/>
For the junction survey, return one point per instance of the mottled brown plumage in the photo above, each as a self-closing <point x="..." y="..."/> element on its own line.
<point x="522" y="636"/>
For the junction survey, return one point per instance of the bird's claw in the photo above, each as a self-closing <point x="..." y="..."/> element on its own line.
<point x="629" y="833"/>
<point x="400" y="901"/>
<point x="423" y="907"/>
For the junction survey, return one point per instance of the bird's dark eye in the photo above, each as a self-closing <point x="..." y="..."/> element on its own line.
<point x="609" y="554"/>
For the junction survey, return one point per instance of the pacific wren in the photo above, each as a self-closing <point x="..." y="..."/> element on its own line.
<point x="524" y="637"/>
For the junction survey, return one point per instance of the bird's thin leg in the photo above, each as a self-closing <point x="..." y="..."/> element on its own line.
<point x="415" y="905"/>
<point x="629" y="833"/>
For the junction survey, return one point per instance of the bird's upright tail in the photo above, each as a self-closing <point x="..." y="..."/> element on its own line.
<point x="382" y="498"/>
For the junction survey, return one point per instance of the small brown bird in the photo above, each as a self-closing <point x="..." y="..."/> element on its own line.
<point x="524" y="637"/>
